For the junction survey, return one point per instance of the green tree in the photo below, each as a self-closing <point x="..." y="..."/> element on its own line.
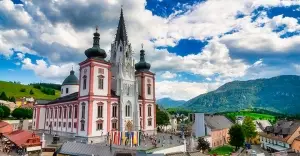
<point x="1" y="113"/>
<point x="31" y="92"/>
<point x="237" y="137"/>
<point x="28" y="113"/>
<point x="162" y="117"/>
<point x="249" y="128"/>
<point x="203" y="145"/>
<point x="6" y="111"/>
<point x="3" y="96"/>
<point x="22" y="90"/>
<point x="19" y="113"/>
<point x="12" y="99"/>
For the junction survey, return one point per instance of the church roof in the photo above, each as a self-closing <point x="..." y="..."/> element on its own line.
<point x="121" y="32"/>
<point x="71" y="79"/>
<point x="96" y="52"/>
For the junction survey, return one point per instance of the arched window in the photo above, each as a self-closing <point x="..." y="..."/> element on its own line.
<point x="82" y="125"/>
<point x="84" y="82"/>
<point x="100" y="81"/>
<point x="128" y="109"/>
<point x="60" y="111"/>
<point x="70" y="111"/>
<point x="75" y="112"/>
<point x="67" y="90"/>
<point x="65" y="112"/>
<point x="51" y="113"/>
<point x="83" y="110"/>
<point x="114" y="111"/>
<point x="120" y="49"/>
<point x="149" y="89"/>
<point x="55" y="114"/>
<point x="140" y="111"/>
<point x="126" y="54"/>
<point x="149" y="110"/>
<point x="100" y="111"/>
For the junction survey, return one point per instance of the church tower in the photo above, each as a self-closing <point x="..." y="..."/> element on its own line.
<point x="123" y="78"/>
<point x="146" y="92"/>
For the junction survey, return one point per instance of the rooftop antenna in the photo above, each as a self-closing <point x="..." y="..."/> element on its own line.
<point x="142" y="46"/>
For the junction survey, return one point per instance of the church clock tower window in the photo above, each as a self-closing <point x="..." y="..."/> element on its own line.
<point x="84" y="82"/>
<point x="149" y="89"/>
<point x="83" y="110"/>
<point x="100" y="81"/>
<point x="127" y="110"/>
<point x="149" y="110"/>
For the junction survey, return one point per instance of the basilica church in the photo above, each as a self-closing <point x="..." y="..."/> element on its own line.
<point x="114" y="95"/>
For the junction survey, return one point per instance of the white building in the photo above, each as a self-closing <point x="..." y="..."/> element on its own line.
<point x="115" y="95"/>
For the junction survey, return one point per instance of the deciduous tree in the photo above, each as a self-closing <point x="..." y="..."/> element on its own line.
<point x="249" y="128"/>
<point x="6" y="111"/>
<point x="237" y="137"/>
<point x="203" y="145"/>
<point x="3" y="96"/>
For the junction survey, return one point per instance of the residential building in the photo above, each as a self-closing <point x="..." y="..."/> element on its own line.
<point x="5" y="128"/>
<point x="10" y="105"/>
<point x="20" y="124"/>
<point x="115" y="95"/>
<point x="261" y="125"/>
<point x="214" y="128"/>
<point x="281" y="136"/>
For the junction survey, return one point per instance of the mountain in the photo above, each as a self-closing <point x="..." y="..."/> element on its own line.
<point x="279" y="94"/>
<point x="14" y="89"/>
<point x="168" y="102"/>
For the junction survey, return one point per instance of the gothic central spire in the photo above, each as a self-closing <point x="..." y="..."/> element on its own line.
<point x="121" y="32"/>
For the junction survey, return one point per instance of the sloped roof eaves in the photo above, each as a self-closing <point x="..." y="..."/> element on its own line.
<point x="217" y="122"/>
<point x="270" y="136"/>
<point x="71" y="97"/>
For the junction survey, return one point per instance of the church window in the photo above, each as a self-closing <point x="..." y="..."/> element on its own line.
<point x="51" y="113"/>
<point x="59" y="124"/>
<point x="75" y="124"/>
<point x="149" y="110"/>
<point x="83" y="110"/>
<point x="149" y="122"/>
<point x="114" y="113"/>
<point x="70" y="125"/>
<point x="82" y="125"/>
<point x="120" y="48"/>
<point x="84" y="82"/>
<point x="99" y="126"/>
<point x="67" y="90"/>
<point x="64" y="124"/>
<point x="62" y="91"/>
<point x="127" y="110"/>
<point x="114" y="125"/>
<point x="70" y="112"/>
<point x="126" y="54"/>
<point x="60" y="111"/>
<point x="75" y="112"/>
<point x="47" y="113"/>
<point x="54" y="124"/>
<point x="149" y="89"/>
<point x="65" y="112"/>
<point x="100" y="71"/>
<point x="140" y="111"/>
<point x="128" y="90"/>
<point x="100" y="81"/>
<point x="55" y="114"/>
<point x="100" y="111"/>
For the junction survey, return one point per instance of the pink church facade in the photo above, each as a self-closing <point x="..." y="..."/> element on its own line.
<point x="108" y="96"/>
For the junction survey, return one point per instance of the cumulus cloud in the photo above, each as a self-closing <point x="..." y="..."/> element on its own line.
<point x="179" y="90"/>
<point x="49" y="72"/>
<point x="168" y="75"/>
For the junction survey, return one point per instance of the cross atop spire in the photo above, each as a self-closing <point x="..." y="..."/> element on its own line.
<point x="142" y="46"/>
<point x="121" y="32"/>
<point x="97" y="27"/>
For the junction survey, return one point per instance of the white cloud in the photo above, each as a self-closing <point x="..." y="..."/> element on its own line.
<point x="168" y="75"/>
<point x="182" y="90"/>
<point x="49" y="72"/>
<point x="20" y="56"/>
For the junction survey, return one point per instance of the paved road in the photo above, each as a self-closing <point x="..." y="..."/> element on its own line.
<point x="258" y="149"/>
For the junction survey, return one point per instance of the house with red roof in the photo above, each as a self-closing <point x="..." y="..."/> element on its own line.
<point x="5" y="127"/>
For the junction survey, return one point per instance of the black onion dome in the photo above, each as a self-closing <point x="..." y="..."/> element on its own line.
<point x="142" y="65"/>
<point x="71" y="79"/>
<point x="96" y="51"/>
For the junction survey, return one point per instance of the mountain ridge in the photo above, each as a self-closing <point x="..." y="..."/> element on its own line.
<point x="280" y="94"/>
<point x="169" y="103"/>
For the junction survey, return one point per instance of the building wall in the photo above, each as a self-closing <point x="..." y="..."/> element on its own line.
<point x="71" y="89"/>
<point x="219" y="137"/>
<point x="83" y="118"/>
<point x="294" y="135"/>
<point x="105" y="129"/>
<point x="199" y="125"/>
<point x="296" y="146"/>
<point x="96" y="90"/>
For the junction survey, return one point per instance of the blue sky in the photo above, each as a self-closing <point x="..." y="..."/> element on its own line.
<point x="194" y="46"/>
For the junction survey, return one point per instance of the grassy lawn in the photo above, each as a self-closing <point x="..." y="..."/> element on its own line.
<point x="13" y="89"/>
<point x="255" y="116"/>
<point x="223" y="150"/>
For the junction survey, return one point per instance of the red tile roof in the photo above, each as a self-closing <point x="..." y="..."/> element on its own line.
<point x="5" y="127"/>
<point x="20" y="137"/>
